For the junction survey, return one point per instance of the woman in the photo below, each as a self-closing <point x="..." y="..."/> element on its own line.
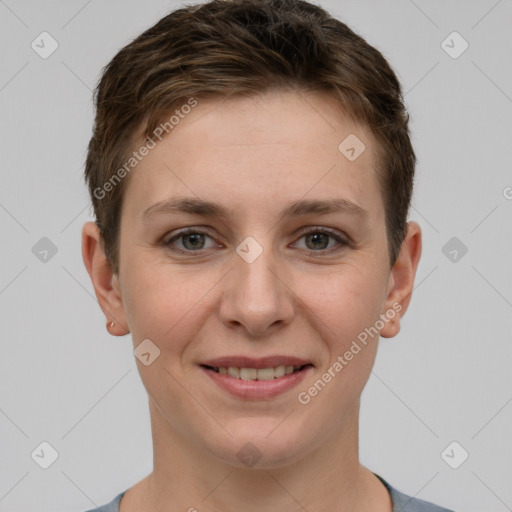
<point x="251" y="173"/>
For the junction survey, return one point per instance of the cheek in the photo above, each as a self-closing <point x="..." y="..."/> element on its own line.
<point x="345" y="312"/>
<point x="344" y="302"/>
<point x="163" y="303"/>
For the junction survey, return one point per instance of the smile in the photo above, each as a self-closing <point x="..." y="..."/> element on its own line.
<point x="257" y="383"/>
<point x="257" y="374"/>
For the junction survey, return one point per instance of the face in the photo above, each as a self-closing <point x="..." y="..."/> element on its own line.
<point x="264" y="271"/>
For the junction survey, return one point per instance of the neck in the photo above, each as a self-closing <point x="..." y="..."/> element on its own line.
<point x="189" y="478"/>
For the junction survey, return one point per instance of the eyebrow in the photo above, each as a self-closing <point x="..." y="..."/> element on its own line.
<point x="192" y="205"/>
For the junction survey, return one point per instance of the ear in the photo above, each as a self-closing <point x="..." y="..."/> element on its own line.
<point x="401" y="280"/>
<point x="105" y="282"/>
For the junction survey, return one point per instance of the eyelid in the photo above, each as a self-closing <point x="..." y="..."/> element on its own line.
<point x="170" y="237"/>
<point x="342" y="239"/>
<point x="184" y="231"/>
<point x="323" y="229"/>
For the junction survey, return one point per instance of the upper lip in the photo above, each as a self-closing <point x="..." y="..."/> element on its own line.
<point x="250" y="362"/>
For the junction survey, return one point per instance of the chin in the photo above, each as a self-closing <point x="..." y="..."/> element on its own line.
<point x="269" y="448"/>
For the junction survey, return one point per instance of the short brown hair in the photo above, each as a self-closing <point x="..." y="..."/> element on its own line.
<point x="225" y="48"/>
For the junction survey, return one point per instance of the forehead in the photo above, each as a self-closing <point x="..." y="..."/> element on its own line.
<point x="260" y="151"/>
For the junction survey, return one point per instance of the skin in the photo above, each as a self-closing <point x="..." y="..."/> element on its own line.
<point x="255" y="156"/>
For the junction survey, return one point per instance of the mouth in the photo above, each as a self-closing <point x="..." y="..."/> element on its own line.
<point x="270" y="373"/>
<point x="256" y="379"/>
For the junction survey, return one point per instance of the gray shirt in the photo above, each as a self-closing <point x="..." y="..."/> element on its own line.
<point x="401" y="502"/>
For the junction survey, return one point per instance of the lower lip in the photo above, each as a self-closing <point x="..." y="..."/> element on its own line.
<point x="257" y="389"/>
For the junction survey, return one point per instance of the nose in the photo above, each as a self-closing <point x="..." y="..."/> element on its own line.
<point x="256" y="296"/>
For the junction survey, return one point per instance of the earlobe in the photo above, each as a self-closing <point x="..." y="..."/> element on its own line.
<point x="401" y="280"/>
<point x="102" y="277"/>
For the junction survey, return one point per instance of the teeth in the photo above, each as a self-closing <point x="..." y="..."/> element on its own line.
<point x="265" y="374"/>
<point x="258" y="374"/>
<point x="279" y="371"/>
<point x="234" y="372"/>
<point x="248" y="373"/>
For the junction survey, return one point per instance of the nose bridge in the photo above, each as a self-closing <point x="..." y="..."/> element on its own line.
<point x="256" y="296"/>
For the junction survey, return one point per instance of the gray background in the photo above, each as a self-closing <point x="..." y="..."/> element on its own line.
<point x="446" y="377"/>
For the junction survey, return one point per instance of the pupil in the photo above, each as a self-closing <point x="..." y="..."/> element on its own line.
<point x="315" y="237"/>
<point x="195" y="239"/>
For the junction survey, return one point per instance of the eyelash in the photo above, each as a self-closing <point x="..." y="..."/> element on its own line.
<point x="342" y="242"/>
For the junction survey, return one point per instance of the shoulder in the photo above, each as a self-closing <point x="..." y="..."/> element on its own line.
<point x="404" y="503"/>
<point x="401" y="502"/>
<point x="113" y="506"/>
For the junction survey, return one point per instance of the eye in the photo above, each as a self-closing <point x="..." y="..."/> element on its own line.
<point x="191" y="239"/>
<point x="318" y="239"/>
